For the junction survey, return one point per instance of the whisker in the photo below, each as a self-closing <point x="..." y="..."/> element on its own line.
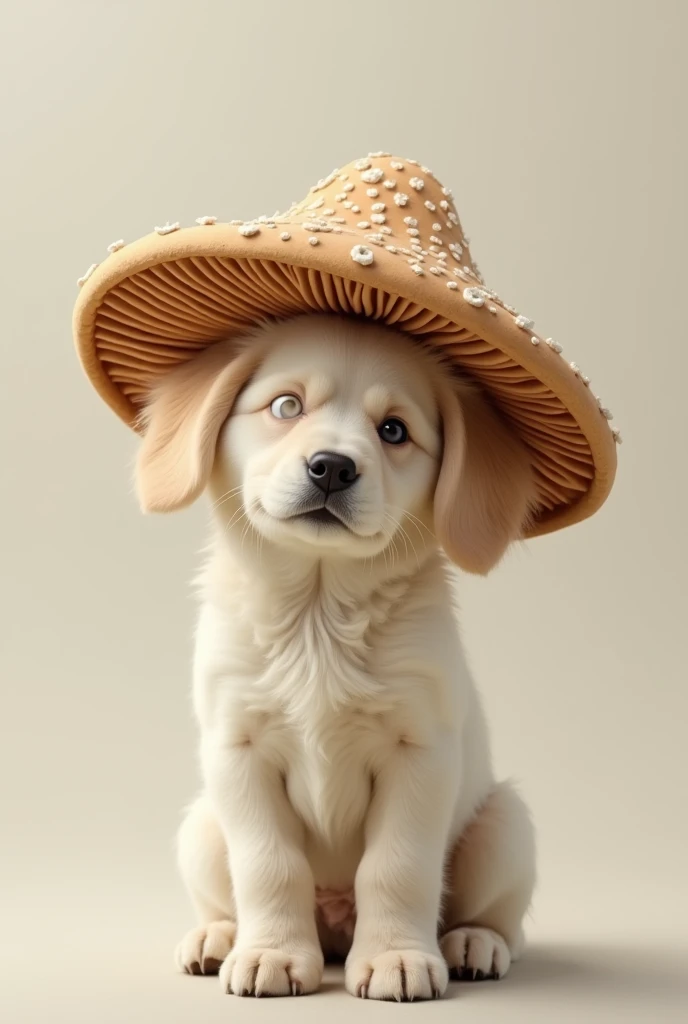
<point x="247" y="530"/>
<point x="384" y="555"/>
<point x="410" y="539"/>
<point x="395" y="550"/>
<point x="389" y="535"/>
<point x="225" y="497"/>
<point x="418" y="523"/>
<point x="404" y="537"/>
<point x="413" y="546"/>
<point x="399" y="528"/>
<point x="242" y="511"/>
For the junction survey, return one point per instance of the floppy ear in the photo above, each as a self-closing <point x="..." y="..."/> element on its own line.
<point x="485" y="488"/>
<point x="182" y="422"/>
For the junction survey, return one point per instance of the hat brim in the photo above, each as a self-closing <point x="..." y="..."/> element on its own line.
<point x="158" y="301"/>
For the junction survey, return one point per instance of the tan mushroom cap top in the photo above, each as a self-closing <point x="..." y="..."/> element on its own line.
<point x="379" y="238"/>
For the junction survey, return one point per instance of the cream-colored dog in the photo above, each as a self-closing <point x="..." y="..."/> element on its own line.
<point x="349" y="806"/>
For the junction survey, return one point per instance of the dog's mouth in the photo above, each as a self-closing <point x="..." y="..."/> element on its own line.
<point x="317" y="517"/>
<point x="322" y="523"/>
<point x="320" y="517"/>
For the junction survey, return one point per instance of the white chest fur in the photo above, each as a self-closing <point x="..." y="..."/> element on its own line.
<point x="325" y="672"/>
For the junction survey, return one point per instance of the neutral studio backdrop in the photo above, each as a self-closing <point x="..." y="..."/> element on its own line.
<point x="561" y="127"/>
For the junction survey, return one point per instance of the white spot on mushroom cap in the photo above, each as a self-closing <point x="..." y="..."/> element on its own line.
<point x="363" y="255"/>
<point x="474" y="296"/>
<point x="84" y="277"/>
<point x="523" y="322"/>
<point x="373" y="175"/>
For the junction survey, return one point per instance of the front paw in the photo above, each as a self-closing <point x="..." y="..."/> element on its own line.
<point x="271" y="972"/>
<point x="403" y="975"/>
<point x="203" y="950"/>
<point x="475" y="954"/>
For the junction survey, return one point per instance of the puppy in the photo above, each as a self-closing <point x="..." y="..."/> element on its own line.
<point x="349" y="808"/>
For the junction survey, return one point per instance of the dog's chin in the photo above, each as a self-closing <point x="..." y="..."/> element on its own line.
<point x="319" y="529"/>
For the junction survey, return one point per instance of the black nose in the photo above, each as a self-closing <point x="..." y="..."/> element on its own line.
<point x="332" y="472"/>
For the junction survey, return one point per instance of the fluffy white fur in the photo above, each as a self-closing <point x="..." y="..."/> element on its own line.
<point x="343" y="743"/>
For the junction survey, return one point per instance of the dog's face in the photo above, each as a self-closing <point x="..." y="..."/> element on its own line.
<point x="336" y="441"/>
<point x="340" y="437"/>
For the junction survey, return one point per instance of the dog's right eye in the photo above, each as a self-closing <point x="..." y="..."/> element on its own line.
<point x="286" y="407"/>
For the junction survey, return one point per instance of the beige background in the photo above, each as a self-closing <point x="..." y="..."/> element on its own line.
<point x="561" y="126"/>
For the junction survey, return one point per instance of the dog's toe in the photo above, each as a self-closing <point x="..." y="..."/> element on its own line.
<point x="475" y="954"/>
<point x="203" y="950"/>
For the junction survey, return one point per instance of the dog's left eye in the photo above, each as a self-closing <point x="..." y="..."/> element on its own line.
<point x="393" y="431"/>
<point x="286" y="407"/>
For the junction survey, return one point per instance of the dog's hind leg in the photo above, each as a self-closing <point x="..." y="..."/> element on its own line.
<point x="202" y="858"/>
<point x="490" y="885"/>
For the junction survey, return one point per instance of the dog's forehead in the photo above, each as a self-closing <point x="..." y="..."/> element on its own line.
<point x="351" y="360"/>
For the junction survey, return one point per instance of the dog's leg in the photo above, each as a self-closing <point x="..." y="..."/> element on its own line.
<point x="277" y="951"/>
<point x="395" y="952"/>
<point x="491" y="881"/>
<point x="202" y="857"/>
